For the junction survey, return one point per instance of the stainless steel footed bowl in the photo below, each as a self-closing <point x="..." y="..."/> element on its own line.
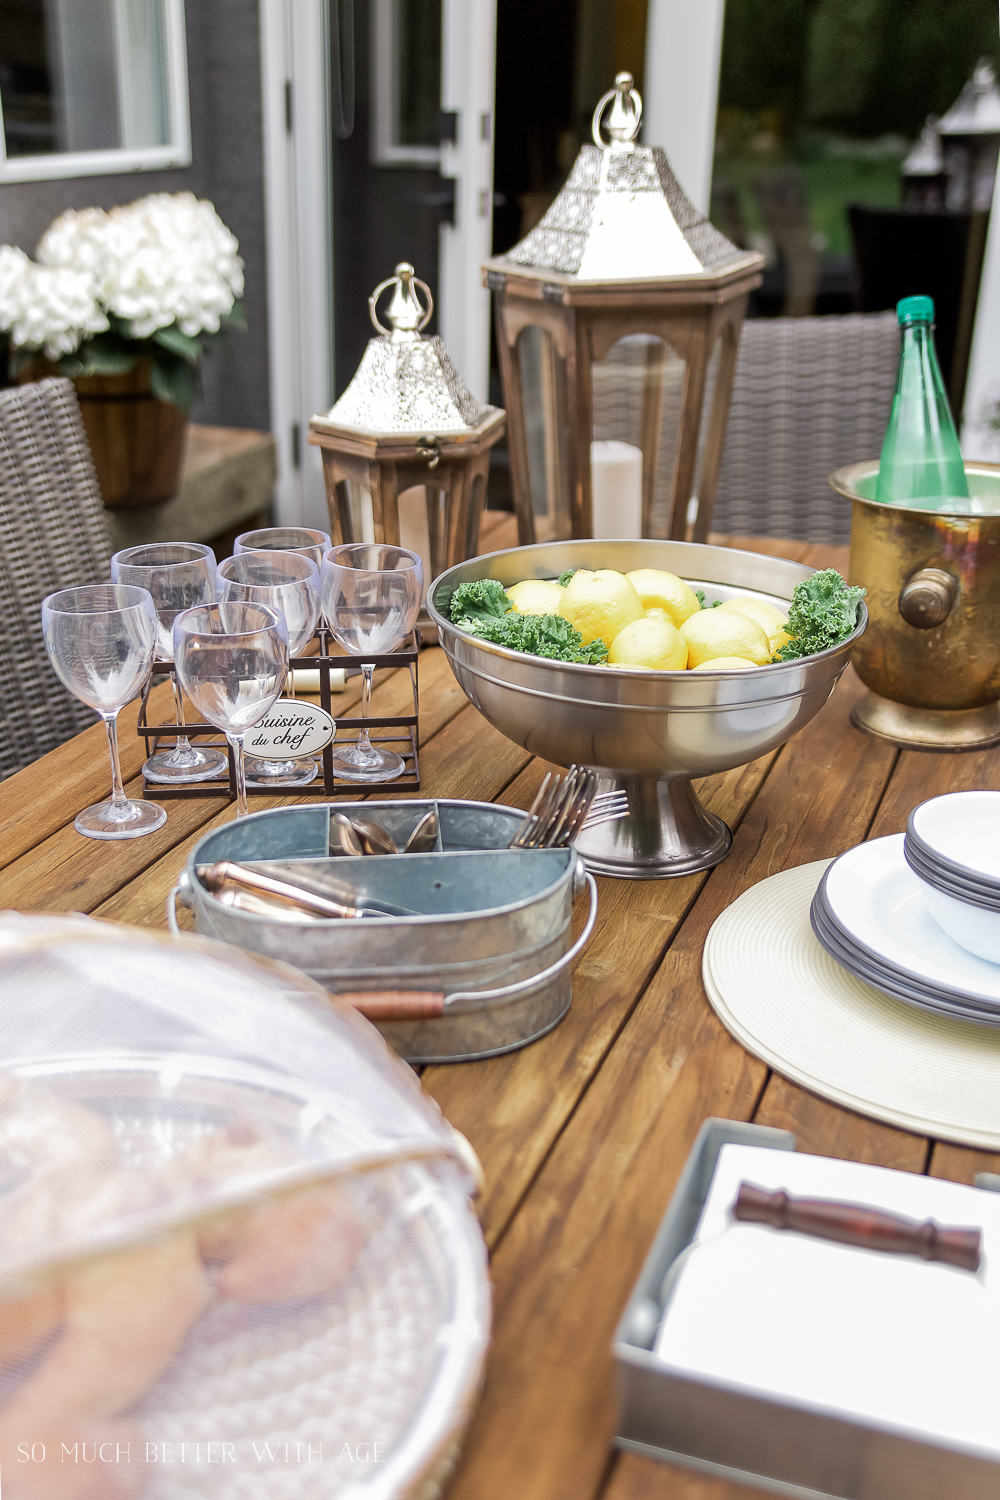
<point x="646" y="732"/>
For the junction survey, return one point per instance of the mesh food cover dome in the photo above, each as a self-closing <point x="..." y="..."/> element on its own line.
<point x="237" y="1255"/>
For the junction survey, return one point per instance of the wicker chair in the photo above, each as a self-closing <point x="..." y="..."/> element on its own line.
<point x="809" y="395"/>
<point x="53" y="534"/>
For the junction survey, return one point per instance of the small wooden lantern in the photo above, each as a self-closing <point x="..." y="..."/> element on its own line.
<point x="615" y="316"/>
<point x="406" y="449"/>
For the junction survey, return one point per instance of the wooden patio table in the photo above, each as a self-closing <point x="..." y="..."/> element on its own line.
<point x="583" y="1134"/>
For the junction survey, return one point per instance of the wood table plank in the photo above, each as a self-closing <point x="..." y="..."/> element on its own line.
<point x="67" y="872"/>
<point x="635" y="1478"/>
<point x="566" y="1263"/>
<point x="514" y="1106"/>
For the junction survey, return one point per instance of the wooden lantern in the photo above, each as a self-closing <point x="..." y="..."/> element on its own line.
<point x="406" y="449"/>
<point x="619" y="317"/>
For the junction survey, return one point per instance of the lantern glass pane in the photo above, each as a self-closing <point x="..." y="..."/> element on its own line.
<point x="638" y="394"/>
<point x="706" y="413"/>
<point x="543" y="384"/>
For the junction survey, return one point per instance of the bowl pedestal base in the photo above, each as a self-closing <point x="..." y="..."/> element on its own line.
<point x="927" y="728"/>
<point x="667" y="832"/>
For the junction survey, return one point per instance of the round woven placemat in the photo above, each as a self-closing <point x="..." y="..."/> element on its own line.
<point x="789" y="1003"/>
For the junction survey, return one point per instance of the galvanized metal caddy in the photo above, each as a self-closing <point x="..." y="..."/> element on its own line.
<point x="493" y="931"/>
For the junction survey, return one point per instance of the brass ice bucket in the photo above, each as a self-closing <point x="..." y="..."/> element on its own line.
<point x="931" y="655"/>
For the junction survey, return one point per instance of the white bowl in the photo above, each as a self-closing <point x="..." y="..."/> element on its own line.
<point x="960" y="832"/>
<point x="973" y="927"/>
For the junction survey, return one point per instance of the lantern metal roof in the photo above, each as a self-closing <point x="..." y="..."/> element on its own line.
<point x="406" y="382"/>
<point x="926" y="158"/>
<point x="622" y="216"/>
<point x="976" y="111"/>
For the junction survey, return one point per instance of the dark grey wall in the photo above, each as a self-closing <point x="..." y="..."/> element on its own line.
<point x="223" y="41"/>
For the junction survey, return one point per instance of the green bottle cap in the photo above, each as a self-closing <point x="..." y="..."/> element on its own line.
<point x="915" y="310"/>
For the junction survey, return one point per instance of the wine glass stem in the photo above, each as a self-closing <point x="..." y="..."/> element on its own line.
<point x="236" y="741"/>
<point x="182" y="739"/>
<point x="118" y="797"/>
<point x="367" y="673"/>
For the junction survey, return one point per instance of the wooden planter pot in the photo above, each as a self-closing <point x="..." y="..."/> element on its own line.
<point x="136" y="440"/>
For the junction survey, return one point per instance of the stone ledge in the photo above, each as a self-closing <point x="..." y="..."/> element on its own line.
<point x="227" y="482"/>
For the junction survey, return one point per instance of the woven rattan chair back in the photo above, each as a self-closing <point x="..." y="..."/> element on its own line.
<point x="809" y="395"/>
<point x="53" y="534"/>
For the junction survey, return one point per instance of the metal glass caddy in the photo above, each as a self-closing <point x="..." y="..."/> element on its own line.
<point x="483" y="965"/>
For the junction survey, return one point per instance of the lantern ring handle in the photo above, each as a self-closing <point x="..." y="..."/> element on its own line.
<point x="626" y="91"/>
<point x="384" y="286"/>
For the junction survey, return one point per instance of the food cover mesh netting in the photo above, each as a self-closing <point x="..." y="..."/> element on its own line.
<point x="237" y="1256"/>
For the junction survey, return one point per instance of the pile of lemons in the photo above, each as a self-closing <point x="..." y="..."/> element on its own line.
<point x="653" y="620"/>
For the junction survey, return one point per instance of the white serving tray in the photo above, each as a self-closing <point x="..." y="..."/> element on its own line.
<point x="767" y="1367"/>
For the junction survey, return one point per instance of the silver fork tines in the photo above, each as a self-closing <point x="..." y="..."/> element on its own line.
<point x="564" y="805"/>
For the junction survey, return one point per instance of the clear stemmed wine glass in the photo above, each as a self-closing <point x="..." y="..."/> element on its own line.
<point x="289" y="583"/>
<point x="232" y="659"/>
<point x="100" y="639"/>
<point x="178" y="575"/>
<point x="371" y="599"/>
<point x="304" y="539"/>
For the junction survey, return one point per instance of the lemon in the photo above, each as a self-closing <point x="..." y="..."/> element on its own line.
<point x="649" y="643"/>
<point x="725" y="664"/>
<point x="665" y="591"/>
<point x="536" y="596"/>
<point x="724" y="632"/>
<point x="599" y="604"/>
<point x="768" y="617"/>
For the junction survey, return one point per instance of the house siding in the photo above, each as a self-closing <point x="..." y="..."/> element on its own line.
<point x="223" y="43"/>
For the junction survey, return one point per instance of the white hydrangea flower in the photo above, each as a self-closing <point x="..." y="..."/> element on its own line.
<point x="169" y="258"/>
<point x="47" y="308"/>
<point x="75" y="239"/>
<point x="163" y="260"/>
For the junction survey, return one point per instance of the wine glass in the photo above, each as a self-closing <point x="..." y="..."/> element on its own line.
<point x="289" y="583"/>
<point x="303" y="539"/>
<point x="178" y="575"/>
<point x="232" y="659"/>
<point x="371" y="599"/>
<point x="100" y="639"/>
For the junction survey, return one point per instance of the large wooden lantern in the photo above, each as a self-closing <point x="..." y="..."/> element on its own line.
<point x="618" y="322"/>
<point x="406" y="449"/>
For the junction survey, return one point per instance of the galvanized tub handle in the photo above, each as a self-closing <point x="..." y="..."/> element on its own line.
<point x="181" y="892"/>
<point x="509" y="990"/>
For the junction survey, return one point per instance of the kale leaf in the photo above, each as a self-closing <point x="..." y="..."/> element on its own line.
<point x="483" y="609"/>
<point x="823" y="612"/>
<point x="699" y="594"/>
<point x="564" y="578"/>
<point x="483" y="599"/>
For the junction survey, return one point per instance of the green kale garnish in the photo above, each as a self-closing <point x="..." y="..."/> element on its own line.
<point x="699" y="594"/>
<point x="823" y="612"/>
<point x="483" y="599"/>
<point x="564" y="578"/>
<point x="538" y="635"/>
<point x="484" y="609"/>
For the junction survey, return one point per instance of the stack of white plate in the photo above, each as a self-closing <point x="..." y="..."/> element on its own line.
<point x="952" y="845"/>
<point x="870" y="913"/>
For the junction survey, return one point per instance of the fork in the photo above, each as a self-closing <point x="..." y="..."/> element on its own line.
<point x="563" y="806"/>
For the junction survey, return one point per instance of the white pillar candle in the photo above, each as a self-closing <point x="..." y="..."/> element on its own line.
<point x="413" y="531"/>
<point x="616" y="483"/>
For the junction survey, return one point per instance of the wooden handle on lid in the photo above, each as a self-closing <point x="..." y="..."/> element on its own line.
<point x="853" y="1224"/>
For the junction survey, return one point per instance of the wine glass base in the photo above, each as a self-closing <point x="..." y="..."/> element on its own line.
<point x="193" y="765"/>
<point x="370" y="765"/>
<point x="277" y="773"/>
<point x="97" y="822"/>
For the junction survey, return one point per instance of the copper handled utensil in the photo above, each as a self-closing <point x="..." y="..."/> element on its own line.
<point x="853" y="1224"/>
<point x="252" y="890"/>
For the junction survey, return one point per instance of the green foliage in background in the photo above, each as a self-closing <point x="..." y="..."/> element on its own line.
<point x="863" y="67"/>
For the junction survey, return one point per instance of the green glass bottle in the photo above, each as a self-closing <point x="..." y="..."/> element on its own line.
<point x="921" y="463"/>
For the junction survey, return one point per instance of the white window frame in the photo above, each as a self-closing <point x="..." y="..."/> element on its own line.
<point x="386" y="148"/>
<point x="177" y="153"/>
